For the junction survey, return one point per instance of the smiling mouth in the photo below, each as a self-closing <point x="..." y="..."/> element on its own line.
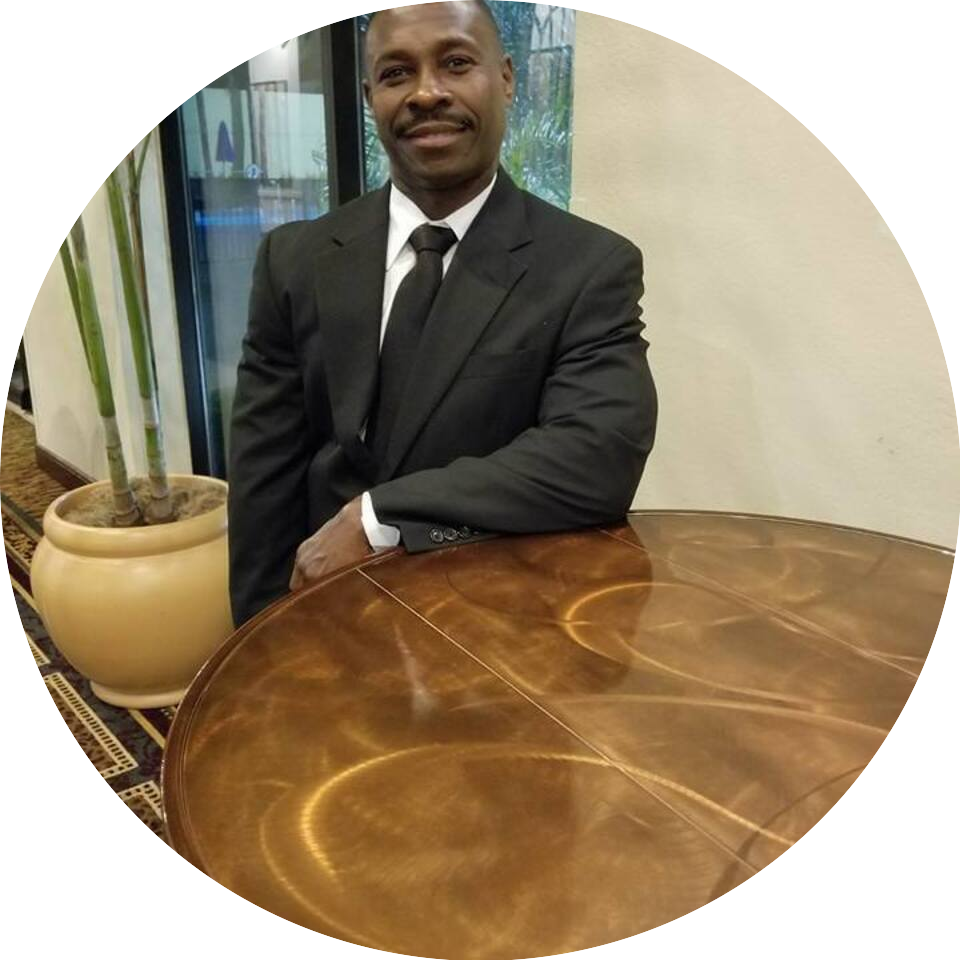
<point x="435" y="134"/>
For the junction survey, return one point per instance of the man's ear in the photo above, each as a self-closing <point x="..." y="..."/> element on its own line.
<point x="506" y="72"/>
<point x="365" y="83"/>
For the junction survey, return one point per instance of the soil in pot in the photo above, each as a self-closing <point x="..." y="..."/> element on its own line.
<point x="96" y="510"/>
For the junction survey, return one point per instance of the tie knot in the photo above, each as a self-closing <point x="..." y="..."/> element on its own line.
<point x="428" y="237"/>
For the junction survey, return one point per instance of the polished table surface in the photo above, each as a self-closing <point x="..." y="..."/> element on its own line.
<point x="532" y="745"/>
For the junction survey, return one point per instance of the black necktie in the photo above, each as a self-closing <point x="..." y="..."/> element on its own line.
<point x="409" y="312"/>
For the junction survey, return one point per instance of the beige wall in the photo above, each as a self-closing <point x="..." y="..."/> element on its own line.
<point x="64" y="410"/>
<point x="798" y="368"/>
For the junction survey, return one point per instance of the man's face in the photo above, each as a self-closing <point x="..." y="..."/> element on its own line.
<point x="439" y="86"/>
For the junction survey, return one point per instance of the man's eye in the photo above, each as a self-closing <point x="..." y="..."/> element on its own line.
<point x="457" y="63"/>
<point x="392" y="73"/>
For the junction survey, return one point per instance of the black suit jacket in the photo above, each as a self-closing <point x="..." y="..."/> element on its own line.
<point x="530" y="406"/>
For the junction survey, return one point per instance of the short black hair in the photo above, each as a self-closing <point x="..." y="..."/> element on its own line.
<point x="484" y="9"/>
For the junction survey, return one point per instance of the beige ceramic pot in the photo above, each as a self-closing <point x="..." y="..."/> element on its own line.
<point x="135" y="610"/>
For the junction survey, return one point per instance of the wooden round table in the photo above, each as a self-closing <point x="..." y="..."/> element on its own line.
<point x="533" y="745"/>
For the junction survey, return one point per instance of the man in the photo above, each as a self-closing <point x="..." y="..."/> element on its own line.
<point x="444" y="359"/>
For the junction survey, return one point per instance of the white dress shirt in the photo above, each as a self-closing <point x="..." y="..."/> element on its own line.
<point x="405" y="217"/>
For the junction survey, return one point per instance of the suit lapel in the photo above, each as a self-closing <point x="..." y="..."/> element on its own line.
<point x="349" y="293"/>
<point x="482" y="273"/>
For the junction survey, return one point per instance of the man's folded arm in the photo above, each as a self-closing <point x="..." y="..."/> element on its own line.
<point x="580" y="465"/>
<point x="269" y="453"/>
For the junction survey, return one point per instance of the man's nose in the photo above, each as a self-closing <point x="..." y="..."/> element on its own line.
<point x="430" y="91"/>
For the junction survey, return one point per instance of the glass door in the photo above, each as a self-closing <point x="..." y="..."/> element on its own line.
<point x="253" y="150"/>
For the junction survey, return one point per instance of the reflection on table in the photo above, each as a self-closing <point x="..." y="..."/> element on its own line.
<point x="533" y="745"/>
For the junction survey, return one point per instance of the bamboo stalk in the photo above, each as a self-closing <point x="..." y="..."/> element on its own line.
<point x="70" y="272"/>
<point x="134" y="179"/>
<point x="138" y="171"/>
<point x="126" y="512"/>
<point x="160" y="507"/>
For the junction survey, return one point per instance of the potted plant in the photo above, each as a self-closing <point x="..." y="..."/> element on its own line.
<point x="131" y="576"/>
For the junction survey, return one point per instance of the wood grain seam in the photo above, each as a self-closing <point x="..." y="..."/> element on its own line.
<point x="792" y="618"/>
<point x="615" y="764"/>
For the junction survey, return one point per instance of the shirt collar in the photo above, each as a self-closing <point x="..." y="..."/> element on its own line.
<point x="406" y="216"/>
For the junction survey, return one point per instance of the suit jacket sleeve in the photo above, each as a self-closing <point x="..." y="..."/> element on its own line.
<point x="580" y="464"/>
<point x="269" y="454"/>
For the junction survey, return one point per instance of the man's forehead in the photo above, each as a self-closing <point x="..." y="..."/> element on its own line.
<point x="428" y="23"/>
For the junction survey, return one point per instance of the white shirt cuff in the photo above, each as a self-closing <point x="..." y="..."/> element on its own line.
<point x="379" y="535"/>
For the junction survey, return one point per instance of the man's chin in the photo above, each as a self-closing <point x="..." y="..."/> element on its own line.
<point x="443" y="173"/>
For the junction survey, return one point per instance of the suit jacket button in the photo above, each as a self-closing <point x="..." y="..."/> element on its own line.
<point x="465" y="532"/>
<point x="450" y="534"/>
<point x="436" y="535"/>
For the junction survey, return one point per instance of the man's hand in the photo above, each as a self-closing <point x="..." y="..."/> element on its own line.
<point x="339" y="543"/>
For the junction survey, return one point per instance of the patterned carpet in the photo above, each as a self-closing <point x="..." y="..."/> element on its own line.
<point x="126" y="746"/>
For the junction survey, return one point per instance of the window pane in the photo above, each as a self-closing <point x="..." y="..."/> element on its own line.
<point x="536" y="150"/>
<point x="256" y="156"/>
